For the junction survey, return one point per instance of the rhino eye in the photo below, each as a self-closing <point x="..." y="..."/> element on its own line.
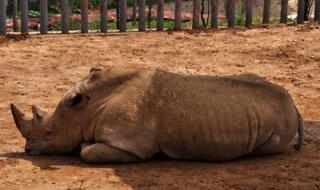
<point x="76" y="100"/>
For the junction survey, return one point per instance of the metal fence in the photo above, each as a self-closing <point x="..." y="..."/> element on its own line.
<point x="230" y="13"/>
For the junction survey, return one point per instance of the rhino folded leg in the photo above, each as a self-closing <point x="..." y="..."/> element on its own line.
<point x="101" y="153"/>
<point x="271" y="146"/>
<point x="85" y="144"/>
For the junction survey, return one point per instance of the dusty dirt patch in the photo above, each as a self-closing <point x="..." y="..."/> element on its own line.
<point x="40" y="69"/>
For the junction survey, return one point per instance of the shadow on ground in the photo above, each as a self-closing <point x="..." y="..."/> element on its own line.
<point x="249" y="172"/>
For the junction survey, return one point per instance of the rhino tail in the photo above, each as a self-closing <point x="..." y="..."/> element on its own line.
<point x="300" y="132"/>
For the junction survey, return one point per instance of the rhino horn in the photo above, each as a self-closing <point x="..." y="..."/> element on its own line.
<point x="19" y="119"/>
<point x="38" y="114"/>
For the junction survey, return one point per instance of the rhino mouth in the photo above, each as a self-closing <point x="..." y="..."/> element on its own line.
<point x="32" y="152"/>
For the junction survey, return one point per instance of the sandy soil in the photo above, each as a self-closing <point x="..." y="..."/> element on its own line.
<point x="39" y="70"/>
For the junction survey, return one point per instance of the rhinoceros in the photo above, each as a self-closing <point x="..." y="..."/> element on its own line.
<point x="124" y="114"/>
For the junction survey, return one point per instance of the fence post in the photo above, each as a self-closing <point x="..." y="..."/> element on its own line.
<point x="123" y="15"/>
<point x="284" y="11"/>
<point x="195" y="16"/>
<point x="24" y="16"/>
<point x="104" y="16"/>
<point x="317" y="10"/>
<point x="43" y="16"/>
<point x="65" y="16"/>
<point x="3" y="17"/>
<point x="266" y="12"/>
<point x="84" y="16"/>
<point x="248" y="5"/>
<point x="300" y="18"/>
<point x="14" y="16"/>
<point x="214" y="13"/>
<point x="160" y="9"/>
<point x="142" y="15"/>
<point x="231" y="12"/>
<point x="177" y="14"/>
<point x="134" y="13"/>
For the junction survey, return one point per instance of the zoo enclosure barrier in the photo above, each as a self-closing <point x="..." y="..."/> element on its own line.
<point x="230" y="12"/>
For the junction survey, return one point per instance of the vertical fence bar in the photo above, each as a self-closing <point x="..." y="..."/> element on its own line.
<point x="142" y="15"/>
<point x="231" y="12"/>
<point x="134" y="13"/>
<point x="160" y="10"/>
<point x="84" y="16"/>
<point x="284" y="11"/>
<point x="300" y="18"/>
<point x="248" y="5"/>
<point x="65" y="16"/>
<point x="306" y="9"/>
<point x="24" y="16"/>
<point x="104" y="16"/>
<point x="117" y="3"/>
<point x="195" y="18"/>
<point x="214" y="13"/>
<point x="177" y="14"/>
<point x="123" y="15"/>
<point x="317" y="10"/>
<point x="43" y="16"/>
<point x="266" y="12"/>
<point x="14" y="16"/>
<point x="3" y="17"/>
<point x="149" y="13"/>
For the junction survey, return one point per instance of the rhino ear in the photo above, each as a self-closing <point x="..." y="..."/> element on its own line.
<point x="38" y="114"/>
<point x="77" y="100"/>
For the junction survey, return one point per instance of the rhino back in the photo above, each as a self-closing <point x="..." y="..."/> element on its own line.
<point x="221" y="118"/>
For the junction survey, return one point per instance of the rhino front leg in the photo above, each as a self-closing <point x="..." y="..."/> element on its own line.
<point x="101" y="153"/>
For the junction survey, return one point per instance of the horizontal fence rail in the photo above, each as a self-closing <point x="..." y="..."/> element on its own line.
<point x="213" y="17"/>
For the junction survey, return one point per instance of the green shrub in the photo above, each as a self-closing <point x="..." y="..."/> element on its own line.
<point x="112" y="26"/>
<point x="34" y="14"/>
<point x="240" y="15"/>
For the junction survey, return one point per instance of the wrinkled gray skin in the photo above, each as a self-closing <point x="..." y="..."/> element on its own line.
<point x="128" y="115"/>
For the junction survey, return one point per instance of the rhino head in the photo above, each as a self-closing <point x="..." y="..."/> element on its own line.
<point x="66" y="128"/>
<point x="50" y="133"/>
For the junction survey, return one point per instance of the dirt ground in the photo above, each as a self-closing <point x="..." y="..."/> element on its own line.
<point x="40" y="69"/>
